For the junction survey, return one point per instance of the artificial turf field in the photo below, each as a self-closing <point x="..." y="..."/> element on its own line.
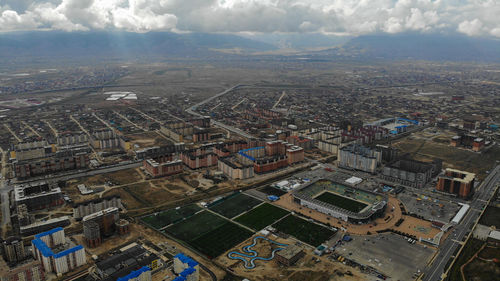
<point x="341" y="202"/>
<point x="209" y="233"/>
<point x="307" y="232"/>
<point x="262" y="216"/>
<point x="221" y="239"/>
<point x="235" y="205"/>
<point x="164" y="218"/>
<point x="269" y="190"/>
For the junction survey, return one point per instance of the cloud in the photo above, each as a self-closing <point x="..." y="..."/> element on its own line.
<point x="471" y="28"/>
<point x="354" y="17"/>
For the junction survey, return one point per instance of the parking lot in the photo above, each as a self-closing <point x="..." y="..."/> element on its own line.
<point x="389" y="253"/>
<point x="428" y="207"/>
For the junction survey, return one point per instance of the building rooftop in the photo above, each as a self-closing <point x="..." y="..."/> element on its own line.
<point x="465" y="177"/>
<point x="289" y="252"/>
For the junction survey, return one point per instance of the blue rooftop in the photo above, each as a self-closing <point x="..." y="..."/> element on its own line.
<point x="46" y="251"/>
<point x="42" y="247"/>
<point x="68" y="251"/>
<point x="180" y="278"/>
<point x="188" y="271"/>
<point x="134" y="274"/>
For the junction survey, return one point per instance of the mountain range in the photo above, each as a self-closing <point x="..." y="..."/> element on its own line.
<point x="126" y="45"/>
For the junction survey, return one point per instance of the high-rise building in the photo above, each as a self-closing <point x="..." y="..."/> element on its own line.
<point x="13" y="249"/>
<point x="55" y="253"/>
<point x="99" y="224"/>
<point x="359" y="157"/>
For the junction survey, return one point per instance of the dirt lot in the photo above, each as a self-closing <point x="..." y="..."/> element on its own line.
<point x="148" y="139"/>
<point x="453" y="157"/>
<point x="307" y="268"/>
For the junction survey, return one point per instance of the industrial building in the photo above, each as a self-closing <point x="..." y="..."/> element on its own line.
<point x="456" y="182"/>
<point x="160" y="169"/>
<point x="85" y="208"/>
<point x="187" y="268"/>
<point x="142" y="274"/>
<point x="290" y="255"/>
<point x="40" y="195"/>
<point x="358" y="157"/>
<point x="410" y="172"/>
<point x="100" y="224"/>
<point x="13" y="249"/>
<point x="55" y="253"/>
<point x="128" y="259"/>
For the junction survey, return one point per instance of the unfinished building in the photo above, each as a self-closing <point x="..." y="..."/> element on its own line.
<point x="411" y="173"/>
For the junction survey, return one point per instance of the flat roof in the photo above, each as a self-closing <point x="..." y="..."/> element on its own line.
<point x="289" y="252"/>
<point x="468" y="177"/>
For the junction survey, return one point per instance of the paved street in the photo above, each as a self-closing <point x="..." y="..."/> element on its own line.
<point x="448" y="247"/>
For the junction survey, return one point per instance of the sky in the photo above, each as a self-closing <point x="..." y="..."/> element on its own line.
<point x="331" y="17"/>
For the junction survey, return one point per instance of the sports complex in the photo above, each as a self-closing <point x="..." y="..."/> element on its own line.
<point x="341" y="201"/>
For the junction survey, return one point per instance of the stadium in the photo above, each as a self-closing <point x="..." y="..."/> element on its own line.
<point x="341" y="201"/>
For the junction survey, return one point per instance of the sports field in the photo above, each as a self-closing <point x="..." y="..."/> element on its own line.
<point x="221" y="239"/>
<point x="195" y="226"/>
<point x="235" y="205"/>
<point x="162" y="219"/>
<point x="341" y="202"/>
<point x="269" y="190"/>
<point x="307" y="232"/>
<point x="262" y="216"/>
<point x="209" y="233"/>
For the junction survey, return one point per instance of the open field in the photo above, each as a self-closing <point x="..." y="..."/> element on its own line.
<point x="453" y="157"/>
<point x="221" y="239"/>
<point x="261" y="216"/>
<point x="341" y="202"/>
<point x="148" y="139"/>
<point x="310" y="267"/>
<point x="307" y="232"/>
<point x="235" y="205"/>
<point x="195" y="226"/>
<point x="162" y="219"/>
<point x="469" y="250"/>
<point x="491" y="217"/>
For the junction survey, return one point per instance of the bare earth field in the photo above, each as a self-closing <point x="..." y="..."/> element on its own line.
<point x="307" y="268"/>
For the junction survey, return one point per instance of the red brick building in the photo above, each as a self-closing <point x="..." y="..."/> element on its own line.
<point x="456" y="182"/>
<point x="156" y="169"/>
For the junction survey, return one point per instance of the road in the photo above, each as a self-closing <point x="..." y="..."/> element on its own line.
<point x="192" y="110"/>
<point x="453" y="242"/>
<point x="79" y="174"/>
